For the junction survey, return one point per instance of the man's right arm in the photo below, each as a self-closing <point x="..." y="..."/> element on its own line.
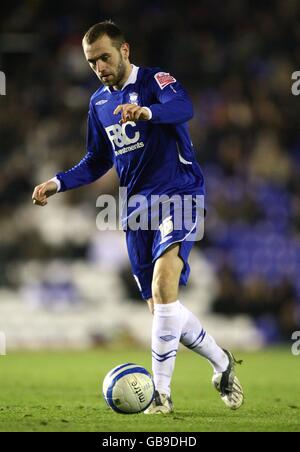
<point x="97" y="161"/>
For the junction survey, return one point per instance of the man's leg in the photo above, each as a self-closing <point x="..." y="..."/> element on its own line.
<point x="166" y="308"/>
<point x="166" y="327"/>
<point x="167" y="320"/>
<point x="173" y="322"/>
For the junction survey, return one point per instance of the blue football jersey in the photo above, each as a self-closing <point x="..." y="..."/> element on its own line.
<point x="153" y="157"/>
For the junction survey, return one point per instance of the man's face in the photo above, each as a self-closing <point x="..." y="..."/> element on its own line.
<point x="108" y="63"/>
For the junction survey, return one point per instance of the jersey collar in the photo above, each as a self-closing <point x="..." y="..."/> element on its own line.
<point x="131" y="79"/>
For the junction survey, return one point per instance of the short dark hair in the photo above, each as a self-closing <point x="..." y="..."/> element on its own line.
<point x="108" y="28"/>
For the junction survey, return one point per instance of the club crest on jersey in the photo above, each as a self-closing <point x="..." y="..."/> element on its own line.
<point x="133" y="98"/>
<point x="164" y="79"/>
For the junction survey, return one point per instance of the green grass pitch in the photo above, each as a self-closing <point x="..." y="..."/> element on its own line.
<point x="61" y="391"/>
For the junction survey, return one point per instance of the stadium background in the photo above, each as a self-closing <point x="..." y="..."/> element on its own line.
<point x="65" y="284"/>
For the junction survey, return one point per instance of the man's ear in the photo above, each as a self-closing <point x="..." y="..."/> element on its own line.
<point x="125" y="50"/>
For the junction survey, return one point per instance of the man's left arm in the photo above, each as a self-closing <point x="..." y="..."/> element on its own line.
<point x="172" y="104"/>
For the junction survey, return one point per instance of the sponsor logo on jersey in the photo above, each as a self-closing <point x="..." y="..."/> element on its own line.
<point x="124" y="137"/>
<point x="164" y="79"/>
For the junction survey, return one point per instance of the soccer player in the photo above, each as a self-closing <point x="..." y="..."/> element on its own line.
<point x="137" y="121"/>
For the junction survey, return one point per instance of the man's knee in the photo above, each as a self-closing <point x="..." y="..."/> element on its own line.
<point x="161" y="286"/>
<point x="166" y="276"/>
<point x="165" y="285"/>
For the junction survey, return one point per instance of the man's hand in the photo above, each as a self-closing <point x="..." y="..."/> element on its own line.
<point x="131" y="112"/>
<point x="42" y="192"/>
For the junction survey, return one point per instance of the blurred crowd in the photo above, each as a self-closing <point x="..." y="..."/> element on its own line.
<point x="236" y="60"/>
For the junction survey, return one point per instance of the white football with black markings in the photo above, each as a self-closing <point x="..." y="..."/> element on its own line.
<point x="128" y="389"/>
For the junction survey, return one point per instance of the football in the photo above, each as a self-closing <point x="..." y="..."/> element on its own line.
<point x="128" y="389"/>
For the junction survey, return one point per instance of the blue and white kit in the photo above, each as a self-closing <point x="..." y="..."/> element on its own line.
<point x="154" y="157"/>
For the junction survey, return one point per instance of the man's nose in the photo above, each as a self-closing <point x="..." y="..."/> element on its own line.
<point x="99" y="66"/>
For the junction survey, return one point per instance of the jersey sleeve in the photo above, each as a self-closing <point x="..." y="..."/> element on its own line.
<point x="97" y="161"/>
<point x="172" y="103"/>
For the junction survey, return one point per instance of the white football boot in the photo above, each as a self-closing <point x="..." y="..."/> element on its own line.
<point x="161" y="404"/>
<point x="228" y="385"/>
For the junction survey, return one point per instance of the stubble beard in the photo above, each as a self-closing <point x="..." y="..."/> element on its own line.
<point x="118" y="79"/>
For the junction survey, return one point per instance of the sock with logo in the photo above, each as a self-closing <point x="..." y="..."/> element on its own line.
<point x="166" y="332"/>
